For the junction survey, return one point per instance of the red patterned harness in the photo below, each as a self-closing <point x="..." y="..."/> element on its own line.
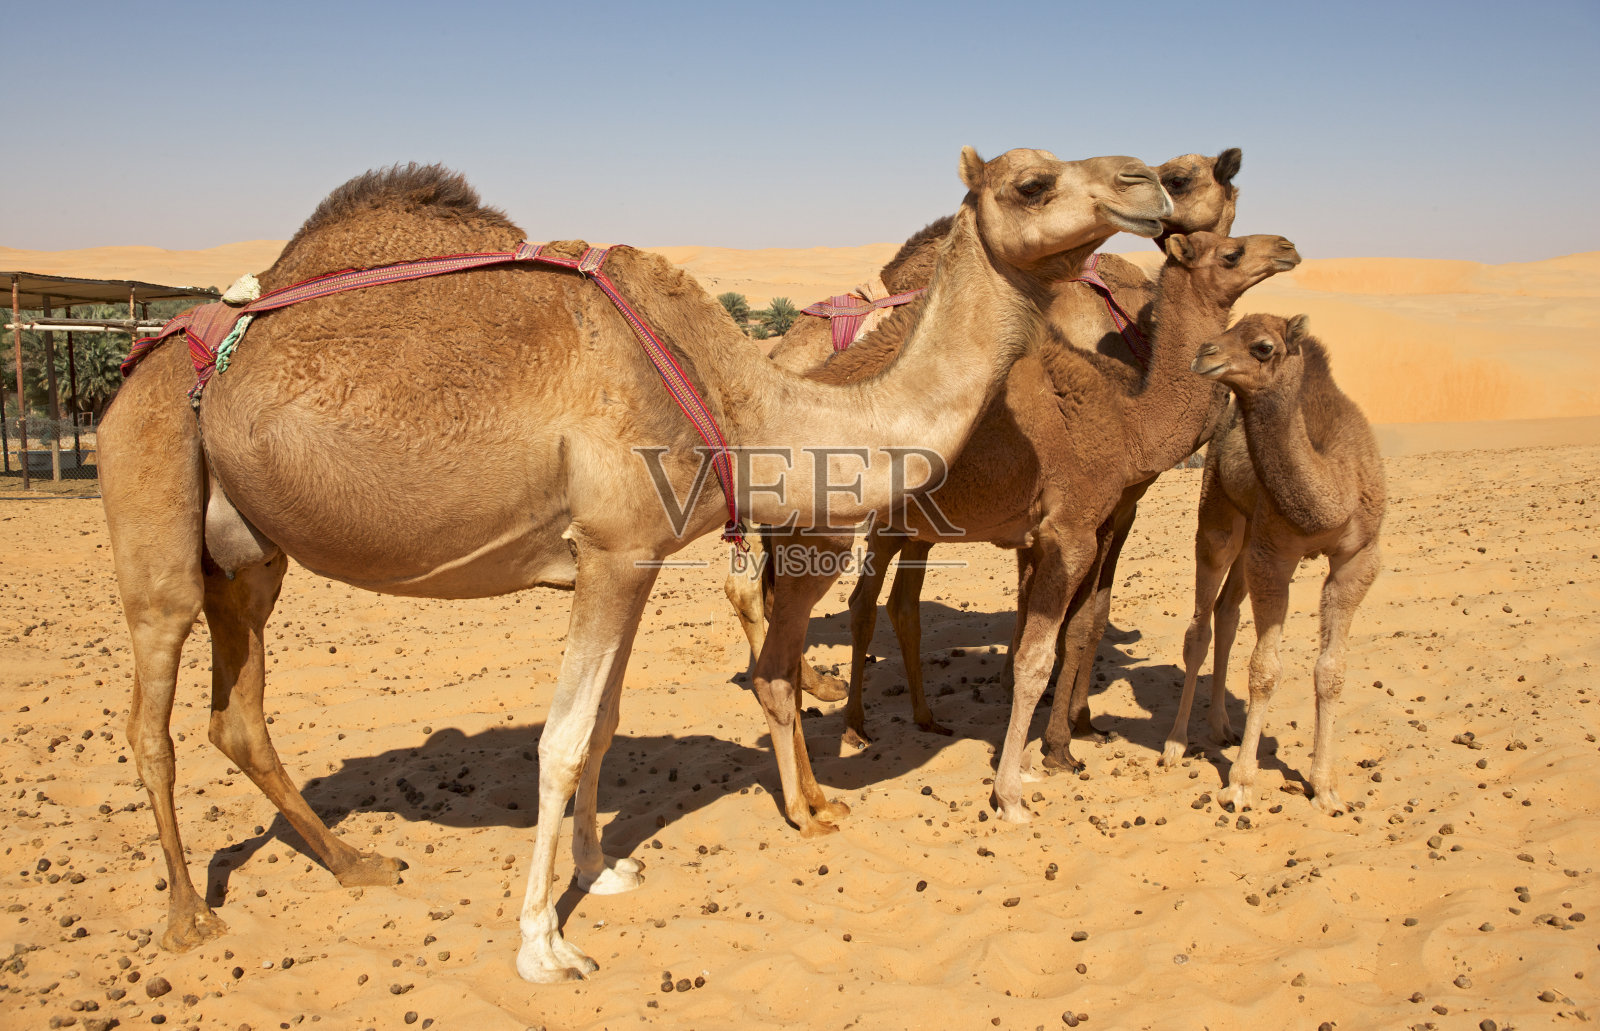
<point x="207" y="326"/>
<point x="846" y="312"/>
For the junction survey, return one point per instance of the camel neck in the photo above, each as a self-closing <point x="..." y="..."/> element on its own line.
<point x="906" y="424"/>
<point x="1174" y="405"/>
<point x="1300" y="480"/>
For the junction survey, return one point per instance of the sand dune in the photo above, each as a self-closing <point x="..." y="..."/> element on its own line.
<point x="1413" y="340"/>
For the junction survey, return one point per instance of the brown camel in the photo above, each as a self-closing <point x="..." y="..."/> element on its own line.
<point x="1296" y="474"/>
<point x="480" y="433"/>
<point x="1204" y="198"/>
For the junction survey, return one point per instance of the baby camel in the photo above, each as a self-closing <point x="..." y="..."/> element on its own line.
<point x="1295" y="475"/>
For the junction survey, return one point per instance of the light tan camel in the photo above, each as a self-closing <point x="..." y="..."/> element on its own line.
<point x="1295" y="475"/>
<point x="1204" y="198"/>
<point x="1047" y="461"/>
<point x="480" y="433"/>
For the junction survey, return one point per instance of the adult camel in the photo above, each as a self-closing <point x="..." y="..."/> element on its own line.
<point x="488" y="431"/>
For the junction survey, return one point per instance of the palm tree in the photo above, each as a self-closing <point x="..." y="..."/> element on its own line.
<point x="737" y="306"/>
<point x="778" y="316"/>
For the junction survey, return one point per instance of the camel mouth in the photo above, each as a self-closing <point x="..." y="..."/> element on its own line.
<point x="1284" y="264"/>
<point x="1213" y="372"/>
<point x="1129" y="223"/>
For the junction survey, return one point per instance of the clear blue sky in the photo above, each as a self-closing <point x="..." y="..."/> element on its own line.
<point x="1418" y="129"/>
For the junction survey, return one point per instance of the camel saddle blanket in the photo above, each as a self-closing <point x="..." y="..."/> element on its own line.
<point x="849" y="315"/>
<point x="210" y="332"/>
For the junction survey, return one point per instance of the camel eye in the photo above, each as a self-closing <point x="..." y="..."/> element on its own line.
<point x="1261" y="350"/>
<point x="1231" y="259"/>
<point x="1177" y="184"/>
<point x="1033" y="187"/>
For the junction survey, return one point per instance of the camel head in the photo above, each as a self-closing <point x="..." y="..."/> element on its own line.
<point x="1202" y="192"/>
<point x="1032" y="206"/>
<point x="1255" y="353"/>
<point x="1222" y="268"/>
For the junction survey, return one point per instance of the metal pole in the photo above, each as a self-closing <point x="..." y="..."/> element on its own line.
<point x="5" y="435"/>
<point x="72" y="385"/>
<point x="55" y="398"/>
<point x="22" y="399"/>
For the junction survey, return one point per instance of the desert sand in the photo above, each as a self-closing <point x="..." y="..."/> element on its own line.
<point x="1457" y="890"/>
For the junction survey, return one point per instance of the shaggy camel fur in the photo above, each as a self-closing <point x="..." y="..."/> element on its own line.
<point x="1295" y="475"/>
<point x="1204" y="198"/>
<point x="480" y="433"/>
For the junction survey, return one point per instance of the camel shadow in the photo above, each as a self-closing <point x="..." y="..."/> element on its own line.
<point x="1157" y="688"/>
<point x="491" y="779"/>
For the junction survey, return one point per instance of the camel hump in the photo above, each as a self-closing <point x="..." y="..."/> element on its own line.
<point x="388" y="215"/>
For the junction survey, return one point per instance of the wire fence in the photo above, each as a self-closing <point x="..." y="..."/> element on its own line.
<point x="61" y="449"/>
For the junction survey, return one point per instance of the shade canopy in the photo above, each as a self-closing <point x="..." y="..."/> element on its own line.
<point x="62" y="291"/>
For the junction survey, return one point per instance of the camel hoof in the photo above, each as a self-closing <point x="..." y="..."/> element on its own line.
<point x="183" y="935"/>
<point x="831" y="811"/>
<point x="1224" y="735"/>
<point x="817" y="829"/>
<point x="1064" y="761"/>
<point x="933" y="727"/>
<point x="1173" y="753"/>
<point x="1011" y="811"/>
<point x="855" y="738"/>
<point x="1328" y="803"/>
<point x="544" y="966"/>
<point x="371" y="871"/>
<point x="825" y="687"/>
<point x="1236" y="795"/>
<point x="616" y="877"/>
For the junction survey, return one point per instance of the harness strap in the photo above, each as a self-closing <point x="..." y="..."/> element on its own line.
<point x="846" y="313"/>
<point x="1120" y="318"/>
<point x="217" y="321"/>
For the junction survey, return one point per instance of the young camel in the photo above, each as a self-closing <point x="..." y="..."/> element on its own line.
<point x="1295" y="475"/>
<point x="1204" y="199"/>
<point x="349" y="433"/>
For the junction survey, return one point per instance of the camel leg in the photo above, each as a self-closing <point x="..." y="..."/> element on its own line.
<point x="881" y="549"/>
<point x="1227" y="620"/>
<point x="160" y="611"/>
<point x="905" y="615"/>
<point x="1349" y="577"/>
<point x="1060" y="560"/>
<point x="152" y="482"/>
<point x="237" y="611"/>
<point x="1268" y="577"/>
<point x="1069" y="712"/>
<point x="1025" y="568"/>
<point x="608" y="599"/>
<point x="1216" y="549"/>
<point x="598" y="873"/>
<point x="745" y="591"/>
<point x="796" y="591"/>
<point x="1105" y="577"/>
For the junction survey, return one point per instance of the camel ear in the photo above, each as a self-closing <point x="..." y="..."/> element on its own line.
<point x="1182" y="249"/>
<point x="1296" y="334"/>
<point x="1227" y="166"/>
<point x="971" y="169"/>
